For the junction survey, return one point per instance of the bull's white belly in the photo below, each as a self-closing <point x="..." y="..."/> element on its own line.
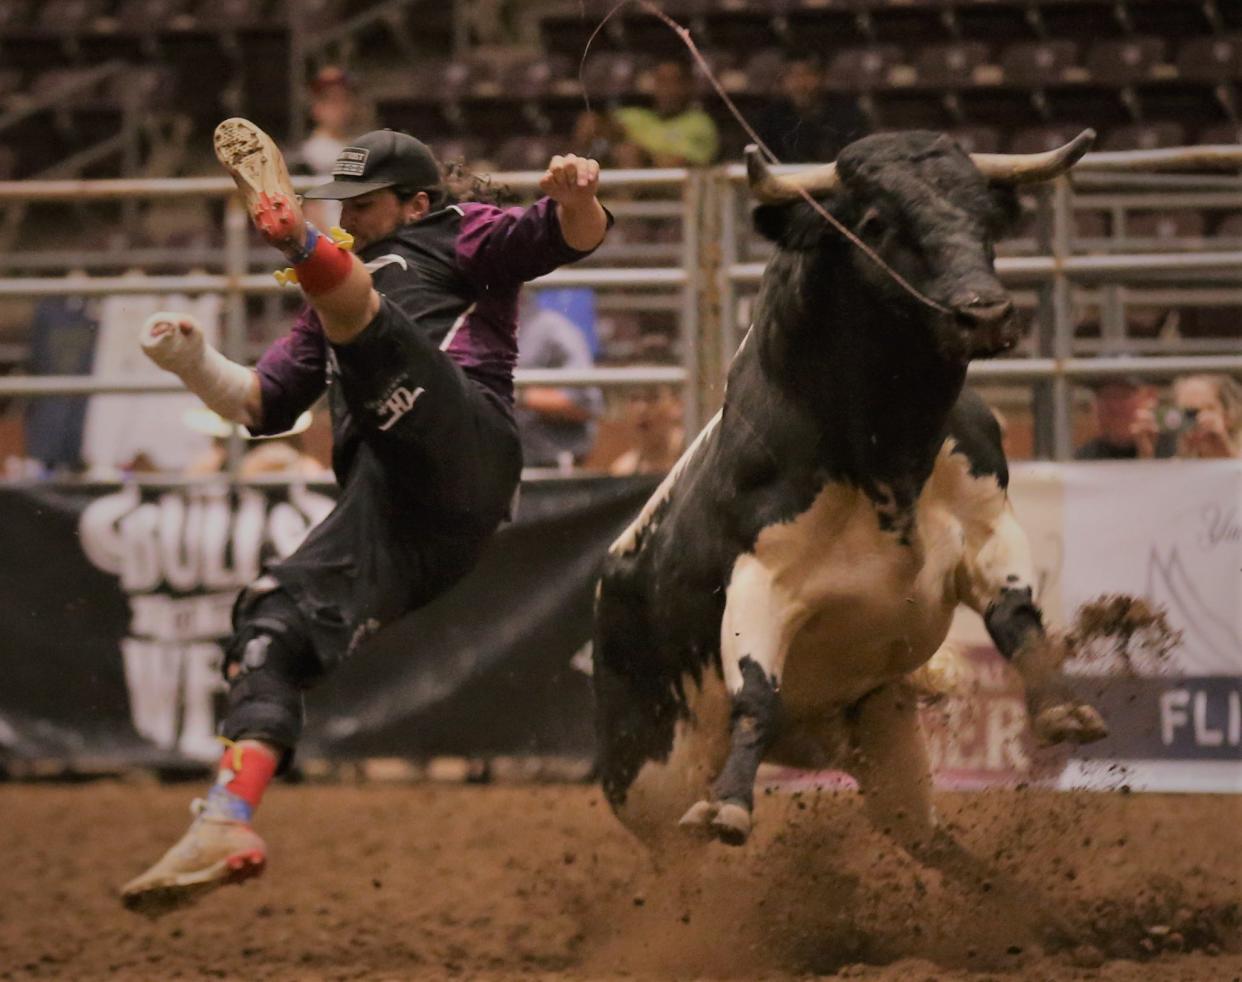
<point x="870" y="609"/>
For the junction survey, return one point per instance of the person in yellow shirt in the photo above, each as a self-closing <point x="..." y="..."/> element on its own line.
<point x="673" y="132"/>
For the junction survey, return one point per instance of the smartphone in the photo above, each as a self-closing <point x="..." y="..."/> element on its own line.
<point x="1172" y="419"/>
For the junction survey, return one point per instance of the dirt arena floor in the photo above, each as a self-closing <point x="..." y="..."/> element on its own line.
<point x="490" y="883"/>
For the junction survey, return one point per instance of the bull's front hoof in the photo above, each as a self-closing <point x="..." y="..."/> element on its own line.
<point x="697" y="821"/>
<point x="1068" y="722"/>
<point x="732" y="823"/>
<point x="726" y="821"/>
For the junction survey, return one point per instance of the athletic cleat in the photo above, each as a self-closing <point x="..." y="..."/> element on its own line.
<point x="213" y="853"/>
<point x="258" y="169"/>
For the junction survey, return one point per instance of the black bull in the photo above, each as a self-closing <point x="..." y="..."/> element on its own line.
<point x="783" y="593"/>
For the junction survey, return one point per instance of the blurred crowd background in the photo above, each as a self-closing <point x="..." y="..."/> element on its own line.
<point x="133" y="88"/>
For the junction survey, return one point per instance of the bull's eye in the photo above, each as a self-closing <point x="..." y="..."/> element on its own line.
<point x="872" y="226"/>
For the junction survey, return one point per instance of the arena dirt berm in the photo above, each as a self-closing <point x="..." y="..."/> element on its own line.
<point x="499" y="882"/>
<point x="494" y="882"/>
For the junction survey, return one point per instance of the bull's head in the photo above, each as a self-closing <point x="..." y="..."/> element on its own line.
<point x="930" y="211"/>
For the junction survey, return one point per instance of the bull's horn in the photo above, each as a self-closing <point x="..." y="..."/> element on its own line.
<point x="1027" y="168"/>
<point x="1223" y="157"/>
<point x="770" y="189"/>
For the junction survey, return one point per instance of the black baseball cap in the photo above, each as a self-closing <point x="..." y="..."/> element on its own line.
<point x="380" y="159"/>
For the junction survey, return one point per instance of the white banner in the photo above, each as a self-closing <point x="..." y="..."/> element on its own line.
<point x="1169" y="531"/>
<point x="120" y="428"/>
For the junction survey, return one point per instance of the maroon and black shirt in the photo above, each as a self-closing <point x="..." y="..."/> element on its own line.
<point x="456" y="274"/>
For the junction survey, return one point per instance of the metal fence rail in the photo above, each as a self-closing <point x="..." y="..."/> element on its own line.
<point x="237" y="283"/>
<point x="1060" y="277"/>
<point x="714" y="273"/>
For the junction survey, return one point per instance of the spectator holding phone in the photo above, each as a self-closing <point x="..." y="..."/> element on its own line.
<point x="1206" y="419"/>
<point x="1120" y="403"/>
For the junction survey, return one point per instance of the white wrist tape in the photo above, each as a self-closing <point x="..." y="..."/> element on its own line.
<point x="223" y="385"/>
<point x="176" y="343"/>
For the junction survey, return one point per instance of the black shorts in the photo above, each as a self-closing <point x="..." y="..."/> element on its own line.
<point x="434" y="464"/>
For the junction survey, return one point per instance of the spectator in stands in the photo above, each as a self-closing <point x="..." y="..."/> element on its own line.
<point x="333" y="108"/>
<point x="1119" y="403"/>
<point x="1205" y="420"/>
<point x="673" y="132"/>
<point x="333" y="111"/>
<point x="656" y="415"/>
<point x="283" y="453"/>
<point x="557" y="426"/>
<point x="62" y="342"/>
<point x="807" y="123"/>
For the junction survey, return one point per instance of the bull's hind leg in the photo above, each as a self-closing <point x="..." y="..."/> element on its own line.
<point x="758" y="626"/>
<point x="891" y="764"/>
<point x="889" y="760"/>
<point x="659" y="750"/>
<point x="661" y="734"/>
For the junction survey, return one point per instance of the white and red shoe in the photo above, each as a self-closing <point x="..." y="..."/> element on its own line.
<point x="214" y="852"/>
<point x="258" y="169"/>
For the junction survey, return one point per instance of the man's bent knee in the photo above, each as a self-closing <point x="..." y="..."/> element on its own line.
<point x="268" y="666"/>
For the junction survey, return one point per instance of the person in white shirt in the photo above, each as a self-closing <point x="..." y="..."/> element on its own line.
<point x="334" y="112"/>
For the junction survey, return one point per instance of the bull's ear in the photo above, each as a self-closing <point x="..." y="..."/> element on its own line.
<point x="1006" y="210"/>
<point x="770" y="221"/>
<point x="791" y="226"/>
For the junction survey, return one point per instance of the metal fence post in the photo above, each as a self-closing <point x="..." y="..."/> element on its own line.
<point x="713" y="352"/>
<point x="1062" y="320"/>
<point x="728" y="334"/>
<point x="236" y="264"/>
<point x="692" y="204"/>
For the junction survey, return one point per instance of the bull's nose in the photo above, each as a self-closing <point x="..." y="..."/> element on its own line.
<point x="981" y="312"/>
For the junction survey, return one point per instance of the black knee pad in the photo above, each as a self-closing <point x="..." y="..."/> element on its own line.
<point x="268" y="665"/>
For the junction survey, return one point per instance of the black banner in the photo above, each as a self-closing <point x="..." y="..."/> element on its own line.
<point x="114" y="603"/>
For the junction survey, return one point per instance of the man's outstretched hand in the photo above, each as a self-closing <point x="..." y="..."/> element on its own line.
<point x="572" y="182"/>
<point x="173" y="341"/>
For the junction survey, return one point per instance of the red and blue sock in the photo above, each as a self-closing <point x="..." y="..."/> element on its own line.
<point x="320" y="263"/>
<point x="246" y="769"/>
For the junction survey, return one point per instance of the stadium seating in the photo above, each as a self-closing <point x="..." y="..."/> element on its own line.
<point x="612" y="75"/>
<point x="69" y="16"/>
<point x="1125" y="61"/>
<point x="1211" y="59"/>
<point x="14" y="14"/>
<point x="762" y="71"/>
<point x="146" y="16"/>
<point x="862" y="69"/>
<point x="1144" y="136"/>
<point x="1000" y="74"/>
<point x="527" y="152"/>
<point x="1039" y="63"/>
<point x="977" y="139"/>
<point x="952" y="65"/>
